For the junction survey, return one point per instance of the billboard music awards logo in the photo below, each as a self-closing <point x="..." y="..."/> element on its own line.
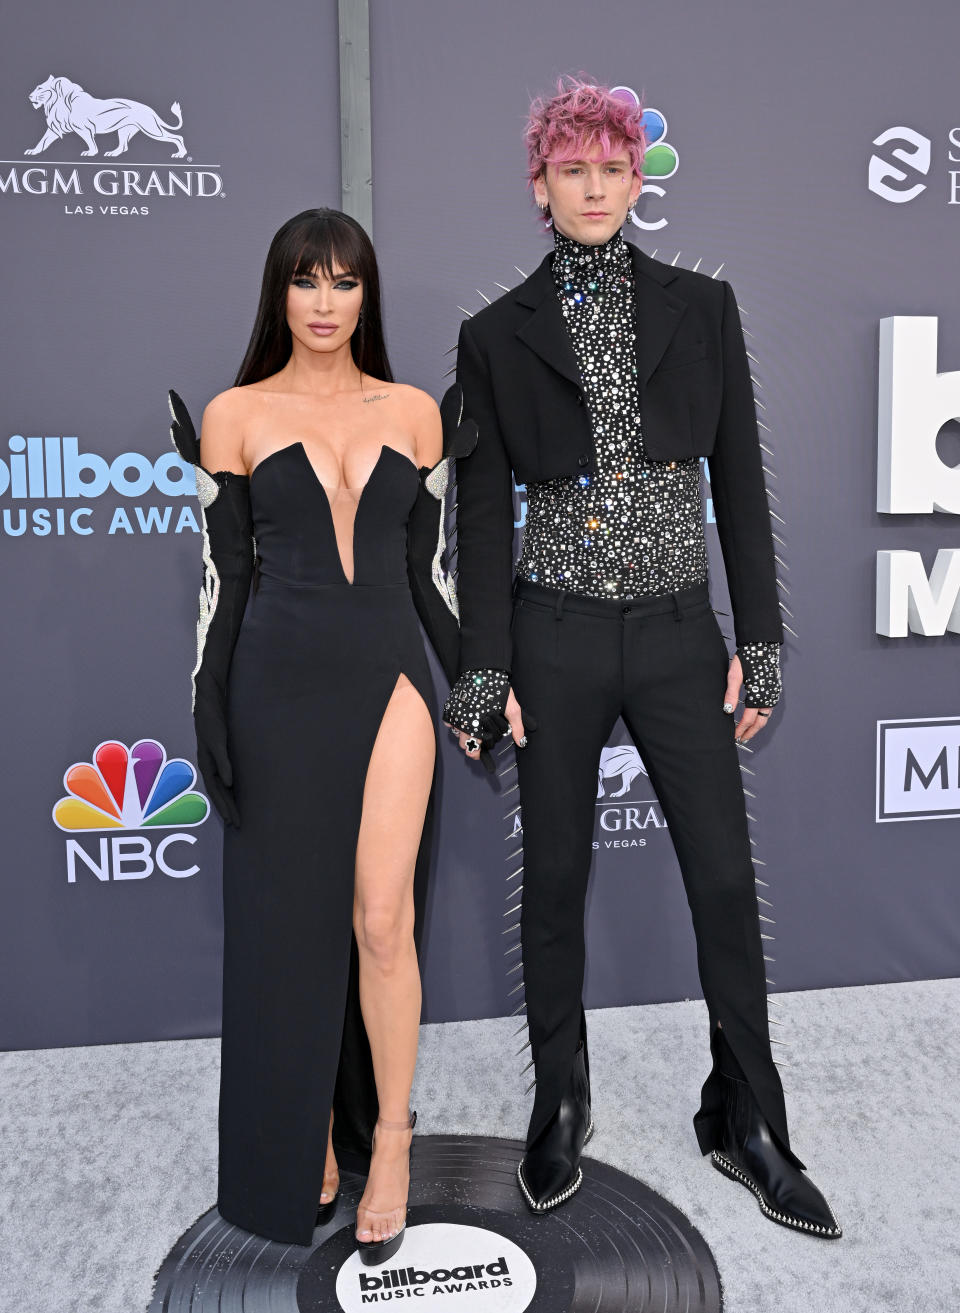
<point x="898" y="172"/>
<point x="618" y="822"/>
<point x="54" y="471"/>
<point x="915" y="402"/>
<point x="80" y="124"/>
<point x="918" y="761"/>
<point x="444" y="1267"/>
<point x="125" y="789"/>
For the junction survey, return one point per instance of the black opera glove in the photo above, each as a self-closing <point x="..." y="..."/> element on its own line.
<point x="432" y="584"/>
<point x="761" y="673"/>
<point x="228" y="562"/>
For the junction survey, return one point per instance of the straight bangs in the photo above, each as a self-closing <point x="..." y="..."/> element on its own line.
<point x="330" y="249"/>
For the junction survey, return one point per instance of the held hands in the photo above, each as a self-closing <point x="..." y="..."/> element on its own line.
<point x="497" y="726"/>
<point x="482" y="709"/>
<point x="754" y="718"/>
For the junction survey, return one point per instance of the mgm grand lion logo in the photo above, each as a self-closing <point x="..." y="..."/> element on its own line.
<point x="68" y="108"/>
<point x="622" y="762"/>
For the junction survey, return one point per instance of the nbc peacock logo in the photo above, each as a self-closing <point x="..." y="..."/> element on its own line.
<point x="660" y="158"/>
<point x="130" y="789"/>
<point x="123" y="789"/>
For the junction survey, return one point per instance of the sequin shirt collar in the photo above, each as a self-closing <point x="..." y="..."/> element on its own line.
<point x="581" y="265"/>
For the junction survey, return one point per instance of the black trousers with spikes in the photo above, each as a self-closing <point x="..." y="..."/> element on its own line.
<point x="660" y="663"/>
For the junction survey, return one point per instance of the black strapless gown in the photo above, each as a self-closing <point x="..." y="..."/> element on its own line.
<point x="312" y="672"/>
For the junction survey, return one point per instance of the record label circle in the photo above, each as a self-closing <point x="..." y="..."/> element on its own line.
<point x="447" y="1268"/>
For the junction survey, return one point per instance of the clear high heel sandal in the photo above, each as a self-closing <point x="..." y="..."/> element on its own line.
<point x="395" y="1221"/>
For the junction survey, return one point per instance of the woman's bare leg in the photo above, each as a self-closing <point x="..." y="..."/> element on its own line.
<point x="331" y="1173"/>
<point x="395" y="798"/>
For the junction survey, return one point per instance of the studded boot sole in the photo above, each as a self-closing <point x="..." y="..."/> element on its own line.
<point x="723" y="1164"/>
<point x="555" y="1200"/>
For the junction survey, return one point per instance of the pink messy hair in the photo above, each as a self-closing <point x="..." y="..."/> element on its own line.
<point x="579" y="115"/>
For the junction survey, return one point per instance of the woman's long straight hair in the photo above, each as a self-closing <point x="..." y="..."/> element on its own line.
<point x="315" y="239"/>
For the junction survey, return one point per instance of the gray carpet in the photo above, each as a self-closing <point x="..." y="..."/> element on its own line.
<point x="108" y="1153"/>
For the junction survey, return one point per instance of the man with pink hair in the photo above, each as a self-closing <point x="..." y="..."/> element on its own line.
<point x="599" y="383"/>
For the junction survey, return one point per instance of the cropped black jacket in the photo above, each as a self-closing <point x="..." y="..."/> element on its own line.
<point x="521" y="385"/>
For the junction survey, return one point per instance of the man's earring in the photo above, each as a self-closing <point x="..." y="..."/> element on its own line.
<point x="630" y="212"/>
<point x="541" y="205"/>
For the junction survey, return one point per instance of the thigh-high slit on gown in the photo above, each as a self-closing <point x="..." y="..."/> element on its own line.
<point x="314" y="667"/>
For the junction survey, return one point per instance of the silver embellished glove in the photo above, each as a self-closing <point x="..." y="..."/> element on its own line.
<point x="476" y="695"/>
<point x="761" y="673"/>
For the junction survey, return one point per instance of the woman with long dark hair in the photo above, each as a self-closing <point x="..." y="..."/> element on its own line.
<point x="314" y="736"/>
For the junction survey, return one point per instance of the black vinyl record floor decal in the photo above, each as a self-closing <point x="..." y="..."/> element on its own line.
<point x="472" y="1246"/>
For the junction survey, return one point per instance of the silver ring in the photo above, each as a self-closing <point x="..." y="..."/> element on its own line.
<point x="472" y="744"/>
<point x="522" y="742"/>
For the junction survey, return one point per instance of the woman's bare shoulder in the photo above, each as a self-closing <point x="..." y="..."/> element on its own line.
<point x="416" y="402"/>
<point x="222" y="431"/>
<point x="422" y="414"/>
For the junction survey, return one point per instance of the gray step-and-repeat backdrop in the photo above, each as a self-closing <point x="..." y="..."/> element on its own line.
<point x="149" y="155"/>
<point x="146" y="160"/>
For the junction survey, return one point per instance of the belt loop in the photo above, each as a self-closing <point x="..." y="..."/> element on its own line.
<point x="558" y="610"/>
<point x="677" y="613"/>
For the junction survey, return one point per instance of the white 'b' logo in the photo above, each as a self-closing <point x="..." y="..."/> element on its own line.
<point x="915" y="401"/>
<point x="913" y="150"/>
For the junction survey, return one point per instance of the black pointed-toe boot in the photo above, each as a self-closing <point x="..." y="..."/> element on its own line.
<point x="550" y="1171"/>
<point x="750" y="1154"/>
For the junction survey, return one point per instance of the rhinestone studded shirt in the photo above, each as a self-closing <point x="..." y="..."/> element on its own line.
<point x="634" y="528"/>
